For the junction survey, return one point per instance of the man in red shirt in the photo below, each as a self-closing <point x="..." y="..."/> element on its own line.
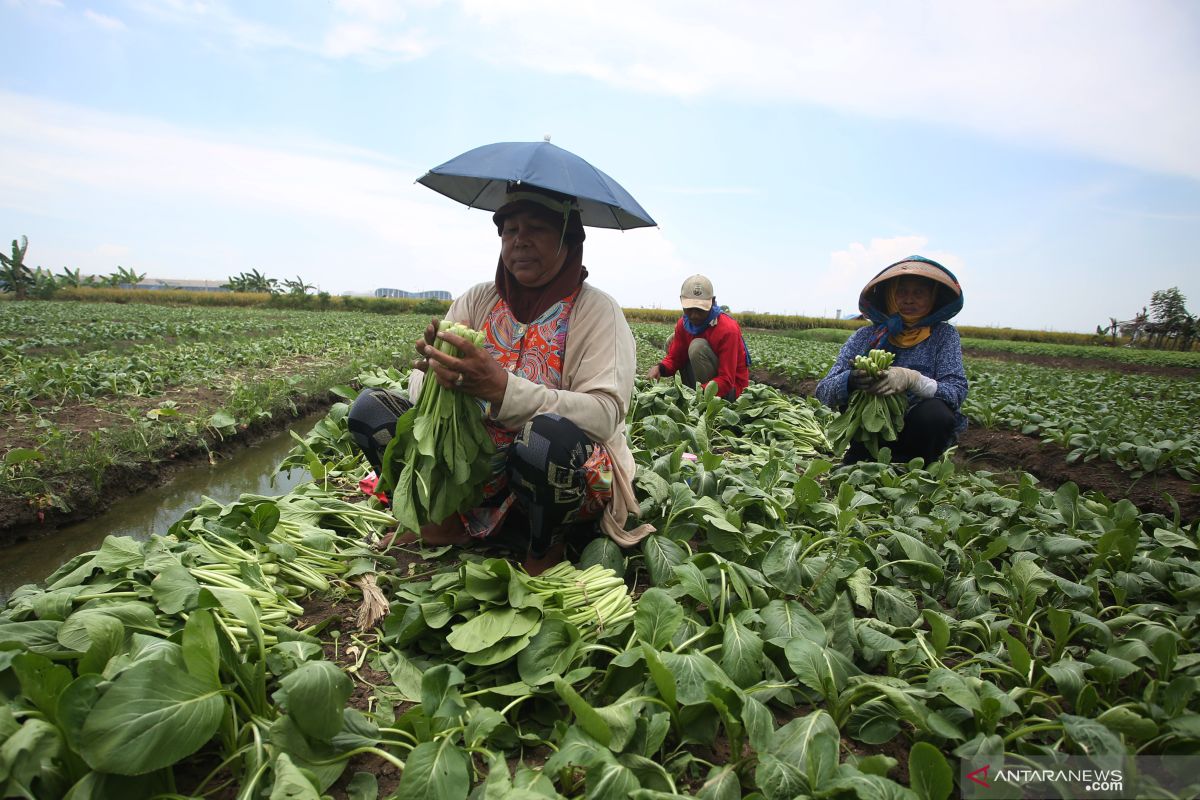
<point x="707" y="344"/>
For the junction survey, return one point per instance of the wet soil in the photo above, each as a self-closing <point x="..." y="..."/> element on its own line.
<point x="1010" y="453"/>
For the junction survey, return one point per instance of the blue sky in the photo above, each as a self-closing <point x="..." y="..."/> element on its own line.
<point x="1047" y="152"/>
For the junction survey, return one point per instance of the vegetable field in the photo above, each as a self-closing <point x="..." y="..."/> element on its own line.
<point x="1143" y="423"/>
<point x="88" y="390"/>
<point x="792" y="629"/>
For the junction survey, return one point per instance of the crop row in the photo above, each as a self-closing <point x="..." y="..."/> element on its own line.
<point x="795" y="628"/>
<point x="1124" y="355"/>
<point x="37" y="325"/>
<point x="254" y="340"/>
<point x="1145" y="424"/>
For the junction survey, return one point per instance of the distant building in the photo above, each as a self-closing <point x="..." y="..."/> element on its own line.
<point x="434" y="294"/>
<point x="180" y="284"/>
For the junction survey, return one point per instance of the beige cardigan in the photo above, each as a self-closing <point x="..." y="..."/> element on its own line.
<point x="598" y="373"/>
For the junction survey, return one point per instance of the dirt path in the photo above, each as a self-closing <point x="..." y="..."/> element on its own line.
<point x="1006" y="451"/>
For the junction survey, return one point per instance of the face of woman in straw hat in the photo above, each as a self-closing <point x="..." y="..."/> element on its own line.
<point x="914" y="295"/>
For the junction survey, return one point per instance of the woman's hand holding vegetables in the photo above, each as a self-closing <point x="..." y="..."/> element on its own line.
<point x="475" y="372"/>
<point x="860" y="379"/>
<point x="895" y="380"/>
<point x="428" y="339"/>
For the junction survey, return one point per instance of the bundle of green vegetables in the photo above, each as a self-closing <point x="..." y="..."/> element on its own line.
<point x="486" y="612"/>
<point x="869" y="418"/>
<point x="438" y="461"/>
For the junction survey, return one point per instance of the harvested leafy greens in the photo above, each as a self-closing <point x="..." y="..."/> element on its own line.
<point x="869" y="418"/>
<point x="438" y="460"/>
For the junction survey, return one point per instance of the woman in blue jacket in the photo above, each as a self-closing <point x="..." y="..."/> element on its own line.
<point x="910" y="303"/>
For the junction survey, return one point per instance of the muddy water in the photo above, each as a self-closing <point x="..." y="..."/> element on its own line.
<point x="155" y="510"/>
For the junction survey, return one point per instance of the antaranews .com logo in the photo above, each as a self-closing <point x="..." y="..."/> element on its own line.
<point x="1079" y="777"/>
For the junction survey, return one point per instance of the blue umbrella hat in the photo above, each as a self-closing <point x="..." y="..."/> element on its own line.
<point x="488" y="176"/>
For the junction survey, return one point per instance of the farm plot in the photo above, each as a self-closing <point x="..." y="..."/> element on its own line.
<point x="1145" y="424"/>
<point x="795" y="629"/>
<point x="87" y="387"/>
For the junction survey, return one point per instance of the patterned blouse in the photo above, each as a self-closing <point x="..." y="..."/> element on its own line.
<point x="534" y="351"/>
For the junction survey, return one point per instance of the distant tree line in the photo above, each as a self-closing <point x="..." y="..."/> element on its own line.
<point x="1167" y="324"/>
<point x="18" y="278"/>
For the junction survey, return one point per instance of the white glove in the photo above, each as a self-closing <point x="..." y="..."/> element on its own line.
<point x="895" y="380"/>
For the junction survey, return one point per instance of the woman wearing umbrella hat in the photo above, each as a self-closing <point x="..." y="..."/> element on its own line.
<point x="909" y="302"/>
<point x="555" y="376"/>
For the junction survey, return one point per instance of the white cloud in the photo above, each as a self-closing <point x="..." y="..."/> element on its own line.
<point x="839" y="284"/>
<point x="177" y="202"/>
<point x="104" y="21"/>
<point x="1109" y="80"/>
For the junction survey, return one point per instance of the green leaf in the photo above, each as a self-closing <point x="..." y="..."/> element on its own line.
<point x="611" y="780"/>
<point x="28" y="756"/>
<point x="784" y="620"/>
<point x="782" y="567"/>
<point x="363" y="786"/>
<point x="290" y="783"/>
<point x="605" y="552"/>
<point x="1068" y="675"/>
<point x="939" y="629"/>
<point x="662" y="556"/>
<point x="657" y="618"/>
<point x="119" y="553"/>
<point x="1123" y="720"/>
<point x="152" y="716"/>
<point x="809" y="743"/>
<point x="821" y="669"/>
<point x="314" y="695"/>
<point x="21" y="455"/>
<point x="958" y="688"/>
<point x="664" y="679"/>
<point x="405" y="676"/>
<point x="435" y="771"/>
<point x="591" y="722"/>
<point x="859" y="583"/>
<point x="722" y="783"/>
<point x="895" y="606"/>
<point x="201" y="653"/>
<point x="42" y="681"/>
<point x="1091" y="736"/>
<point x="440" y="697"/>
<point x="482" y="631"/>
<point x="930" y="773"/>
<point x="175" y="589"/>
<point x="741" y="653"/>
<point x="691" y="671"/>
<point x="549" y="653"/>
<point x="693" y="583"/>
<point x="1017" y="654"/>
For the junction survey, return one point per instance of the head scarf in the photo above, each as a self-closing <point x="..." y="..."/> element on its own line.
<point x="528" y="303"/>
<point x="877" y="302"/>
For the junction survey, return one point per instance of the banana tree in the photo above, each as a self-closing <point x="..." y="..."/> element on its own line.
<point x="15" y="277"/>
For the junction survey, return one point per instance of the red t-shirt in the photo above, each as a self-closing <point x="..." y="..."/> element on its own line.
<point x="725" y="338"/>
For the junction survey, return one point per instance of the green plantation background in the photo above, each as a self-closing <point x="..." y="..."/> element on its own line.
<point x="792" y="628"/>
